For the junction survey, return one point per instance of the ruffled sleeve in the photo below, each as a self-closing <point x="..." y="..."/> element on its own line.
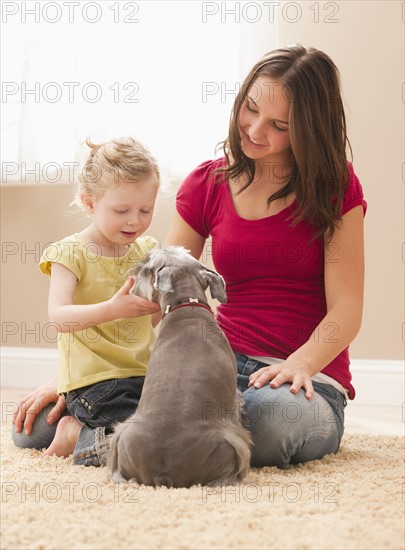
<point x="67" y="252"/>
<point x="145" y="244"/>
<point x="353" y="193"/>
<point x="193" y="197"/>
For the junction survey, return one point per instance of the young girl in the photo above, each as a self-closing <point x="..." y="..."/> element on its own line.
<point x="285" y="212"/>
<point x="105" y="332"/>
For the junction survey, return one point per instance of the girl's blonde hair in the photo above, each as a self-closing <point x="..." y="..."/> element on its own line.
<point x="113" y="162"/>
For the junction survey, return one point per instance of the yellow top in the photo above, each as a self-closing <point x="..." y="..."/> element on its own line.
<point x="117" y="349"/>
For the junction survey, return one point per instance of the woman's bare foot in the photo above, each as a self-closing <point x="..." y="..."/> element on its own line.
<point x="66" y="436"/>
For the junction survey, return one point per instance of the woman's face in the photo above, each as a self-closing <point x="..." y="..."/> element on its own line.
<point x="263" y="122"/>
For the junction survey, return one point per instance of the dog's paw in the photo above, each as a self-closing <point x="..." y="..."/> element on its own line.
<point x="117" y="477"/>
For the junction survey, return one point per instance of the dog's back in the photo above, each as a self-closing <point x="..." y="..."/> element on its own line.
<point x="188" y="427"/>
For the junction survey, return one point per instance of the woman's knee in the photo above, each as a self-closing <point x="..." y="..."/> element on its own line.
<point x="267" y="410"/>
<point x="287" y="428"/>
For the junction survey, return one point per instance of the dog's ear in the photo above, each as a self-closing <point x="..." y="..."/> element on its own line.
<point x="143" y="283"/>
<point x="163" y="280"/>
<point x="216" y="284"/>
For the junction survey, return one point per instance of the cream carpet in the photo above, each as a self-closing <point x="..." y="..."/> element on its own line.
<point x="350" y="500"/>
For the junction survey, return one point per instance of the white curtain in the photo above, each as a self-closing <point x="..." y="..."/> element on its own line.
<point x="165" y="72"/>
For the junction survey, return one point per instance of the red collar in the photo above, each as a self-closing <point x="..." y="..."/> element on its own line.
<point x="192" y="302"/>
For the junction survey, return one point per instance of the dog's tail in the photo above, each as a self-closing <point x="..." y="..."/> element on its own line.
<point x="229" y="460"/>
<point x="239" y="438"/>
<point x="237" y="441"/>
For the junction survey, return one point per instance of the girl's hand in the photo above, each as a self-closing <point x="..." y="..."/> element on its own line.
<point x="280" y="374"/>
<point x="33" y="403"/>
<point x="125" y="304"/>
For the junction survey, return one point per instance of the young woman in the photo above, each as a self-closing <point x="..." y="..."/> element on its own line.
<point x="285" y="212"/>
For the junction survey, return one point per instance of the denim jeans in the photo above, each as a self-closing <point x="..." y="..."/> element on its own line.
<point x="287" y="428"/>
<point x="42" y="433"/>
<point x="99" y="407"/>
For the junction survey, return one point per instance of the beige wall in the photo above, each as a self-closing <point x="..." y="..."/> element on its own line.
<point x="366" y="43"/>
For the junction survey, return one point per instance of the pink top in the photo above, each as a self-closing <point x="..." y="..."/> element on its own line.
<point x="274" y="275"/>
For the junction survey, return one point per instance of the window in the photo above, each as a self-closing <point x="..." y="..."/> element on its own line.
<point x="165" y="72"/>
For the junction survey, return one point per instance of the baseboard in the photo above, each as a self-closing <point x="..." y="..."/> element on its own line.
<point x="378" y="382"/>
<point x="27" y="367"/>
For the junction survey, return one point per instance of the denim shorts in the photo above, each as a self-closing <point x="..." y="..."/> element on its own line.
<point x="104" y="404"/>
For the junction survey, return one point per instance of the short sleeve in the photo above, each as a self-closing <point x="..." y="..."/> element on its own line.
<point x="192" y="198"/>
<point x="66" y="252"/>
<point x="146" y="244"/>
<point x="353" y="193"/>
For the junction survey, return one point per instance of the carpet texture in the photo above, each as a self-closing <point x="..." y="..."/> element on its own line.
<point x="346" y="501"/>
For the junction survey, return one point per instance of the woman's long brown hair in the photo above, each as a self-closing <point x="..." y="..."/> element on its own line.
<point x="318" y="137"/>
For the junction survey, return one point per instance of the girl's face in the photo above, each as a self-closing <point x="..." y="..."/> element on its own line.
<point x="263" y="122"/>
<point x="124" y="212"/>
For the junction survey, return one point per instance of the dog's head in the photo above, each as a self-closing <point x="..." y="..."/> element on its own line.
<point x="157" y="274"/>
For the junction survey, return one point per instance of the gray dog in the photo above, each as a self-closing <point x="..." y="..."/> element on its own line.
<point x="187" y="429"/>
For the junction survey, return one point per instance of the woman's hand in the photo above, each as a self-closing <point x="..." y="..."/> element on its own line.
<point x="125" y="304"/>
<point x="33" y="403"/>
<point x="279" y="374"/>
